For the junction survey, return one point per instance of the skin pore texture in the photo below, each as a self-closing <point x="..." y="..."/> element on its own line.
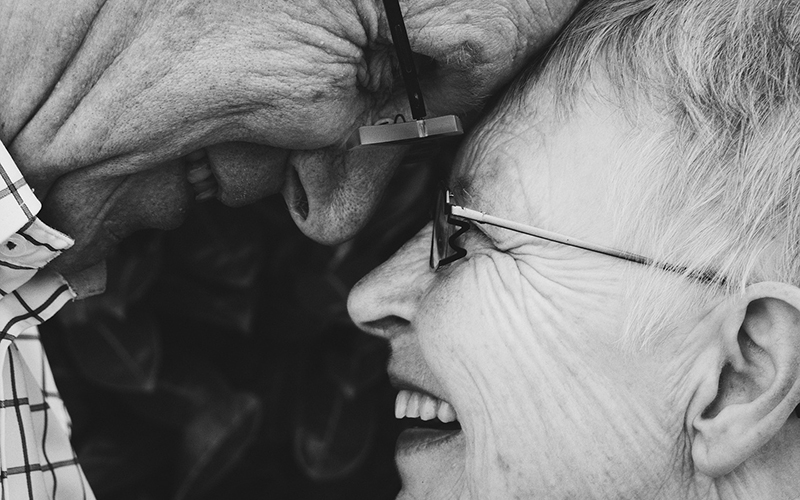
<point x="524" y="339"/>
<point x="101" y="101"/>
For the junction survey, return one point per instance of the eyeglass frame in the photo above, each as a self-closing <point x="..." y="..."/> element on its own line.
<point x="463" y="217"/>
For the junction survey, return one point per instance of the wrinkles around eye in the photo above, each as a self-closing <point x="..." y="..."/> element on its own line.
<point x="476" y="240"/>
<point x="498" y="244"/>
<point x="530" y="254"/>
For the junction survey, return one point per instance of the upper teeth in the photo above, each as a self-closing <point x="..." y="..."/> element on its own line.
<point x="200" y="176"/>
<point x="411" y="404"/>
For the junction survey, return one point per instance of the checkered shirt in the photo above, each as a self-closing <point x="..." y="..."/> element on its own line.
<point x="36" y="459"/>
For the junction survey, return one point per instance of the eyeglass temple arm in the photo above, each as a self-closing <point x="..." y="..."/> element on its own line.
<point x="405" y="57"/>
<point x="705" y="276"/>
<point x="483" y="218"/>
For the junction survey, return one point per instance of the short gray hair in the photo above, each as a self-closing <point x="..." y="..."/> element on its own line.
<point x="722" y="189"/>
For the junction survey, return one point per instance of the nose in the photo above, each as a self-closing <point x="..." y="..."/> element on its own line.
<point x="331" y="193"/>
<point x="385" y="302"/>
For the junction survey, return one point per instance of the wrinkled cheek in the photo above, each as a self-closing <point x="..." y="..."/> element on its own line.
<point x="504" y="426"/>
<point x="98" y="213"/>
<point x="509" y="389"/>
<point x="494" y="401"/>
<point x="538" y="421"/>
<point x="546" y="403"/>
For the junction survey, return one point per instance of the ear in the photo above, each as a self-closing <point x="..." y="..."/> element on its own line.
<point x="750" y="393"/>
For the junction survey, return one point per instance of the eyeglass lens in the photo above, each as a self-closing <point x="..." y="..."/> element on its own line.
<point x="442" y="231"/>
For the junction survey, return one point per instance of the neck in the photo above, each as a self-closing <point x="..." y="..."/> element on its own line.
<point x="774" y="472"/>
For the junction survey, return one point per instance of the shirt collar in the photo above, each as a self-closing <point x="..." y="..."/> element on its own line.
<point x="18" y="205"/>
<point x="27" y="243"/>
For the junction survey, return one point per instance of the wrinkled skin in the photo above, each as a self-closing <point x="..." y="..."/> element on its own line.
<point x="523" y="337"/>
<point x="520" y="335"/>
<point x="101" y="100"/>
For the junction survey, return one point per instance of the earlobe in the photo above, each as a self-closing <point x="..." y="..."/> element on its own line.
<point x="753" y="387"/>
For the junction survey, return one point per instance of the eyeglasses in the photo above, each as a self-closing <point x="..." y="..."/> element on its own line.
<point x="451" y="221"/>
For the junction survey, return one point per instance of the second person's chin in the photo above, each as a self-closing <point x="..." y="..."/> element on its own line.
<point x="434" y="472"/>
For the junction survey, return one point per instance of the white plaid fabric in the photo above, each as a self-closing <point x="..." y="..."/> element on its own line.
<point x="36" y="459"/>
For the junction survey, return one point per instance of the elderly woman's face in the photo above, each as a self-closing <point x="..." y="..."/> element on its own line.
<point x="520" y="336"/>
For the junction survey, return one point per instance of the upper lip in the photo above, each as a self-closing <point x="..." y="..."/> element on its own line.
<point x="400" y="382"/>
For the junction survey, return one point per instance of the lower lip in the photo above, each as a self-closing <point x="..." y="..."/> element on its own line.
<point x="418" y="439"/>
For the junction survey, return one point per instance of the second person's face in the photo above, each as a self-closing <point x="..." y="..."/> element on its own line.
<point x="522" y="336"/>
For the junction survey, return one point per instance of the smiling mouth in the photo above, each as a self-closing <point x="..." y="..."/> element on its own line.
<point x="430" y="421"/>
